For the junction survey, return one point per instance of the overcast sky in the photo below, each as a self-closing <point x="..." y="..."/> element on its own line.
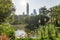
<point x="20" y="5"/>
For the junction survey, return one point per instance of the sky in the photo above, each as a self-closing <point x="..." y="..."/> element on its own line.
<point x="20" y="5"/>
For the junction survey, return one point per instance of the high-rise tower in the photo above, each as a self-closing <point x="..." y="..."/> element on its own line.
<point x="27" y="9"/>
<point x="34" y="11"/>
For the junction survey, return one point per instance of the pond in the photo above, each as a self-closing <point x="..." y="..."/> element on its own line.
<point x="22" y="34"/>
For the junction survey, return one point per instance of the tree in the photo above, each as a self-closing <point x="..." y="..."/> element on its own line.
<point x="6" y="8"/>
<point x="55" y="14"/>
<point x="43" y="13"/>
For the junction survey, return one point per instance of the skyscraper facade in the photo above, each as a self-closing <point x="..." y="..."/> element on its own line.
<point x="27" y="9"/>
<point x="34" y="11"/>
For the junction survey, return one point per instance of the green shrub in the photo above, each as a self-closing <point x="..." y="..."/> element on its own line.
<point x="27" y="39"/>
<point x="48" y="32"/>
<point x="8" y="30"/>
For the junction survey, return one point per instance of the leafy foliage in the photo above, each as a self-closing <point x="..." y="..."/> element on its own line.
<point x="55" y="13"/>
<point x="6" y="8"/>
<point x="8" y="30"/>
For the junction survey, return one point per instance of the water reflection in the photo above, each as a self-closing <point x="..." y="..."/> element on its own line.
<point x="23" y="34"/>
<point x="20" y="33"/>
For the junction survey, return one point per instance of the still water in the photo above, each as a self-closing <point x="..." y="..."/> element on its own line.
<point x="22" y="33"/>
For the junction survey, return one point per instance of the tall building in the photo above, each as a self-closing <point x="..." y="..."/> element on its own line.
<point x="32" y="14"/>
<point x="40" y="11"/>
<point x="35" y="13"/>
<point x="27" y="9"/>
<point x="23" y="13"/>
